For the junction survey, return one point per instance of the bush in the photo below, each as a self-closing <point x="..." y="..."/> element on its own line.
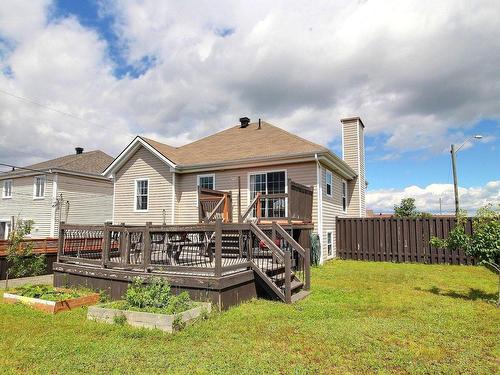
<point x="154" y="295"/>
<point x="21" y="260"/>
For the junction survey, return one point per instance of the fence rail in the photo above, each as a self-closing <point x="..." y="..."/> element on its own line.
<point x="398" y="240"/>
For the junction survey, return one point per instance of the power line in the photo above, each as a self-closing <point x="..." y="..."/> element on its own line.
<point x="31" y="101"/>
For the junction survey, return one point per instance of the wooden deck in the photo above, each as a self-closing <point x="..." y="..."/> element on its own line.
<point x="223" y="262"/>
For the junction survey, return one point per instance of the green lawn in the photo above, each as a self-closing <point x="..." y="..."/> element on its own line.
<point x="361" y="318"/>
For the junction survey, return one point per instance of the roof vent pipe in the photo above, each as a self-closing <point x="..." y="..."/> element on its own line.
<point x="259" y="125"/>
<point x="79" y="150"/>
<point x="244" y="121"/>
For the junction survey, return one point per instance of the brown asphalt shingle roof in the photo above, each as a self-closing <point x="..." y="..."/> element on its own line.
<point x="91" y="162"/>
<point x="238" y="143"/>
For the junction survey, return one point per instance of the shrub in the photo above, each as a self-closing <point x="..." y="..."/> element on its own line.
<point x="21" y="260"/>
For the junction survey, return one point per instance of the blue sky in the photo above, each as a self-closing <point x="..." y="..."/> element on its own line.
<point x="164" y="70"/>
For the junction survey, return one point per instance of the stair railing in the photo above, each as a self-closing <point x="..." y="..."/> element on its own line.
<point x="269" y="262"/>
<point x="301" y="257"/>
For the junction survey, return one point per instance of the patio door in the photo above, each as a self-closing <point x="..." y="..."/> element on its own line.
<point x="269" y="183"/>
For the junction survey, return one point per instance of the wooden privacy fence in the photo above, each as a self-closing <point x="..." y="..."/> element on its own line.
<point x="398" y="240"/>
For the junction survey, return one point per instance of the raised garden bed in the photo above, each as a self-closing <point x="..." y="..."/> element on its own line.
<point x="49" y="299"/>
<point x="149" y="303"/>
<point x="164" y="322"/>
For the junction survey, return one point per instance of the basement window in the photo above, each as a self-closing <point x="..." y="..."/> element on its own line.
<point x="329" y="243"/>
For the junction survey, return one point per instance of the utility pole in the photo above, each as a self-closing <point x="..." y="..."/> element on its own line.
<point x="455" y="182"/>
<point x="440" y="205"/>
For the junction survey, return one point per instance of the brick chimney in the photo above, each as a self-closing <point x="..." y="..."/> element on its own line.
<point x="353" y="153"/>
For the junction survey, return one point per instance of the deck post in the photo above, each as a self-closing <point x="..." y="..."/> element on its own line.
<point x="239" y="200"/>
<point x="307" y="266"/>
<point x="61" y="241"/>
<point x="226" y="208"/>
<point x="273" y="233"/>
<point x="249" y="245"/>
<point x="147" y="247"/>
<point x="124" y="245"/>
<point x="106" y="244"/>
<point x="258" y="209"/>
<point x="288" y="200"/>
<point x="288" y="277"/>
<point x="218" y="247"/>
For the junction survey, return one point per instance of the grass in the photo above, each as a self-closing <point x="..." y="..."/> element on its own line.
<point x="361" y="318"/>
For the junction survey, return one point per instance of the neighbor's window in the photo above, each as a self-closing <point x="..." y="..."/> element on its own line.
<point x="206" y="181"/>
<point x="344" y="196"/>
<point x="7" y="189"/>
<point x="39" y="187"/>
<point x="329" y="243"/>
<point x="141" y="195"/>
<point x="329" y="179"/>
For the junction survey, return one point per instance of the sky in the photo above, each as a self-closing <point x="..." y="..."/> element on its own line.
<point x="421" y="74"/>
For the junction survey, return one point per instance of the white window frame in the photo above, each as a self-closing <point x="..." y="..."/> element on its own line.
<point x="329" y="242"/>
<point x="343" y="195"/>
<point x="328" y="173"/>
<point x="36" y="197"/>
<point x="200" y="176"/>
<point x="249" y="199"/>
<point x="135" y="194"/>
<point x="5" y="196"/>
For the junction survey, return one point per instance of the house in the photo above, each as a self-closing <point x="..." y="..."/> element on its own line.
<point x="69" y="188"/>
<point x="157" y="183"/>
<point x="226" y="218"/>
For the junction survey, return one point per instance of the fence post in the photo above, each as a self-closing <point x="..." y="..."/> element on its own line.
<point x="288" y="277"/>
<point x="307" y="266"/>
<point x="218" y="247"/>
<point x="106" y="243"/>
<point x="147" y="247"/>
<point x="61" y="241"/>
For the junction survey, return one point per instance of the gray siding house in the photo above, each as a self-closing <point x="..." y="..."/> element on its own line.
<point x="158" y="183"/>
<point x="70" y="188"/>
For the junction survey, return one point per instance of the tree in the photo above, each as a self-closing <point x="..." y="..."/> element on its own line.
<point x="406" y="208"/>
<point x="484" y="244"/>
<point x="20" y="258"/>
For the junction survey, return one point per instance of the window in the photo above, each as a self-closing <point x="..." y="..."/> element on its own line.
<point x="329" y="243"/>
<point x="39" y="187"/>
<point x="206" y="181"/>
<point x="141" y="194"/>
<point x="7" y="189"/>
<point x="269" y="183"/>
<point x="344" y="196"/>
<point x="329" y="179"/>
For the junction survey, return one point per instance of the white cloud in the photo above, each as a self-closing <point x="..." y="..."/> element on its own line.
<point x="420" y="73"/>
<point x="427" y="198"/>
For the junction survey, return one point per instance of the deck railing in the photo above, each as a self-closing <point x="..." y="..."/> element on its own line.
<point x="295" y="205"/>
<point x="214" y="204"/>
<point x="210" y="249"/>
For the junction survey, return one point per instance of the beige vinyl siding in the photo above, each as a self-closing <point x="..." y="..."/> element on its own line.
<point x="143" y="164"/>
<point x="186" y="188"/>
<point x="353" y="139"/>
<point x="332" y="207"/>
<point x="23" y="206"/>
<point x="85" y="200"/>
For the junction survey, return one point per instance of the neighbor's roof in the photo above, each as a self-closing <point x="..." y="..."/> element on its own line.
<point x="91" y="162"/>
<point x="237" y="143"/>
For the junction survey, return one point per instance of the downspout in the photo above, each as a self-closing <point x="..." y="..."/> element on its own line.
<point x="320" y="207"/>
<point x="173" y="198"/>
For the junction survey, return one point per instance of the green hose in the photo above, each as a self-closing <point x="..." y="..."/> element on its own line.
<point x="315" y="249"/>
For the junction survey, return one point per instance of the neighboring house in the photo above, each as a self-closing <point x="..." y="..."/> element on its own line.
<point x="157" y="183"/>
<point x="70" y="188"/>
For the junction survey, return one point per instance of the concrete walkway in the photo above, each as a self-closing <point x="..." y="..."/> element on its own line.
<point x="14" y="283"/>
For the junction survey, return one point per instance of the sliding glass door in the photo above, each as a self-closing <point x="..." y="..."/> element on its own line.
<point x="269" y="183"/>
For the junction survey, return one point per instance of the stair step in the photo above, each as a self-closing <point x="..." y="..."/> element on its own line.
<point x="300" y="295"/>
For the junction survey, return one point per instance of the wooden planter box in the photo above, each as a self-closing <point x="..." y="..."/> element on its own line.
<point x="52" y="307"/>
<point x="163" y="322"/>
